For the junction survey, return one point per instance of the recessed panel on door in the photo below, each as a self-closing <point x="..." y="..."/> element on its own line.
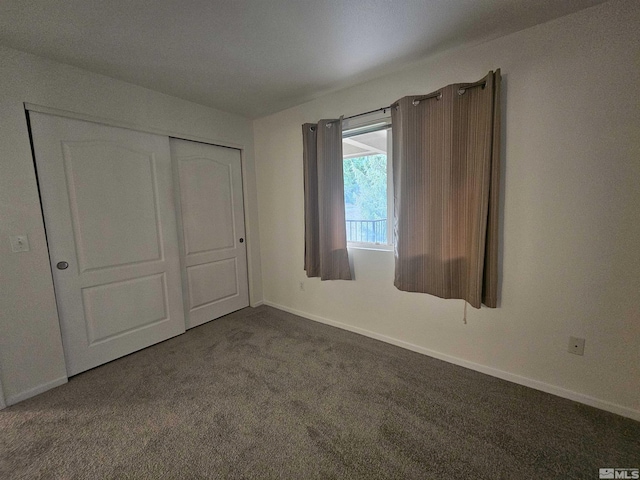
<point x="205" y="183"/>
<point x="120" y="307"/>
<point x="212" y="282"/>
<point x="107" y="198"/>
<point x="209" y="182"/>
<point x="102" y="213"/>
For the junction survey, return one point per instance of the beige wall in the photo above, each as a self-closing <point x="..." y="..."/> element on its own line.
<point x="571" y="214"/>
<point x="31" y="356"/>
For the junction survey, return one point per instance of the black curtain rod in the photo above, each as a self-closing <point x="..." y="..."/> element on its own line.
<point x="367" y="113"/>
<point x="463" y="88"/>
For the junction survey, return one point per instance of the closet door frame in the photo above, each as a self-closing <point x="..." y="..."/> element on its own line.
<point x="32" y="107"/>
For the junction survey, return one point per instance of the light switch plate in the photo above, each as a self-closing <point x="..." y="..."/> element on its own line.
<point x="19" y="243"/>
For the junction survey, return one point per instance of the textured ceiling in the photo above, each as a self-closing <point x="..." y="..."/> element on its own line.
<point x="255" y="57"/>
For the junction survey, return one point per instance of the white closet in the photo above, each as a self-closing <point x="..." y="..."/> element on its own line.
<point x="128" y="233"/>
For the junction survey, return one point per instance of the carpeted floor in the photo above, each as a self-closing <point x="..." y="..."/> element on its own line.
<point x="265" y="394"/>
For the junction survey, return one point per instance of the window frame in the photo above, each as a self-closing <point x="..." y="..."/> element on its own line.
<point x="371" y="122"/>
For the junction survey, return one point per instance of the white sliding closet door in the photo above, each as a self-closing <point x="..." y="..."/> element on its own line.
<point x="209" y="181"/>
<point x="108" y="204"/>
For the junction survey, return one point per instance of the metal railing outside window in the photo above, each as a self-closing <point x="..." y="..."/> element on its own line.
<point x="369" y="231"/>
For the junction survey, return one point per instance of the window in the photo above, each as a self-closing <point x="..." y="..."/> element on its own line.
<point x="368" y="189"/>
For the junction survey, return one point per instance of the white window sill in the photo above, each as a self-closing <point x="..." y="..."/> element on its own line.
<point x="370" y="246"/>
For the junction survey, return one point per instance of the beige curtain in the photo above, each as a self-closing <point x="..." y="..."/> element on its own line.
<point x="325" y="254"/>
<point x="446" y="174"/>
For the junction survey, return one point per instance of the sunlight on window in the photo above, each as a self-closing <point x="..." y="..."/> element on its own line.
<point x="365" y="187"/>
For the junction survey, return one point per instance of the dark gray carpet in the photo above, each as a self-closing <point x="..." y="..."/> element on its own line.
<point x="265" y="394"/>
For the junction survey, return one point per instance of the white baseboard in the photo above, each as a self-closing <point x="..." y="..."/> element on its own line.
<point x="257" y="304"/>
<point x="32" y="392"/>
<point x="494" y="372"/>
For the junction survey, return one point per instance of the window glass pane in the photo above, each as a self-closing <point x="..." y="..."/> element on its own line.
<point x="365" y="187"/>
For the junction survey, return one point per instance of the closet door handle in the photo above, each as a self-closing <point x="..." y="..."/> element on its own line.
<point x="241" y="240"/>
<point x="62" y="265"/>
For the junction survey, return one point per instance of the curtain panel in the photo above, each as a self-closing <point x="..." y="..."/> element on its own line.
<point x="325" y="252"/>
<point x="446" y="174"/>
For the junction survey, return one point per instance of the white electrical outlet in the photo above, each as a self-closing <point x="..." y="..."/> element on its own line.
<point x="302" y="286"/>
<point x="576" y="346"/>
<point x="19" y="243"/>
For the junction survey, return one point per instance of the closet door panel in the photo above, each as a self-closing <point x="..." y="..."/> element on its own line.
<point x="209" y="181"/>
<point x="108" y="203"/>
